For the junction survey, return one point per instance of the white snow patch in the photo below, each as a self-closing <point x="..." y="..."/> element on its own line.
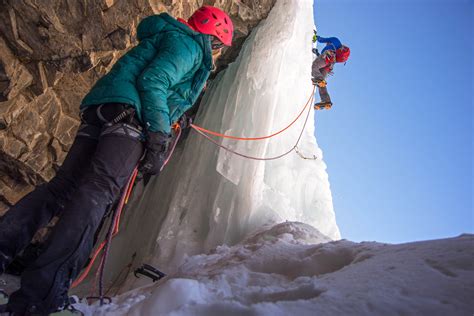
<point x="293" y="269"/>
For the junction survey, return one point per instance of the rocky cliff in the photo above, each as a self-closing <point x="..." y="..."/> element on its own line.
<point x="51" y="52"/>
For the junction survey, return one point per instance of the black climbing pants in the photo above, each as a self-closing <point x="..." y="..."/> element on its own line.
<point x="92" y="176"/>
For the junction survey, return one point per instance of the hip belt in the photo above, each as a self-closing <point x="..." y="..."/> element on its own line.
<point x="110" y="119"/>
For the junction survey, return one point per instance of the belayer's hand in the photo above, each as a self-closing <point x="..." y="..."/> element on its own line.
<point x="156" y="150"/>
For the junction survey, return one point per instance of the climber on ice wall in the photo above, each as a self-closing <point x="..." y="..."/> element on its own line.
<point x="128" y="110"/>
<point x="334" y="52"/>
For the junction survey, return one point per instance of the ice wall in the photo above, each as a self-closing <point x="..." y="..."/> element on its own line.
<point x="207" y="196"/>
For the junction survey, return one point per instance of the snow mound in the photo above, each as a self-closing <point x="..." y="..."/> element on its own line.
<point x="293" y="269"/>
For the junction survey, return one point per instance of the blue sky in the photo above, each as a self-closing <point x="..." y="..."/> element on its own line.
<point x="398" y="141"/>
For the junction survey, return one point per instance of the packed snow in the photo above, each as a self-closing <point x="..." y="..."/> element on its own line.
<point x="293" y="269"/>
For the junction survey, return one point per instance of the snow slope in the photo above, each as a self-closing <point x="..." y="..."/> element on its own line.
<point x="292" y="269"/>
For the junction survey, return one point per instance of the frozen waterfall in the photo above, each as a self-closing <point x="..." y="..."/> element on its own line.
<point x="206" y="196"/>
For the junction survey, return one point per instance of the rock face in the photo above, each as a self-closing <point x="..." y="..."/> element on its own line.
<point x="51" y="52"/>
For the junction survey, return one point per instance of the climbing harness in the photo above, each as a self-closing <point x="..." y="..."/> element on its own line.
<point x="125" y="130"/>
<point x="94" y="124"/>
<point x="204" y="132"/>
<point x="321" y="83"/>
<point x="128" y="111"/>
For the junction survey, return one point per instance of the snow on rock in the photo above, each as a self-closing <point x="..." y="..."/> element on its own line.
<point x="293" y="269"/>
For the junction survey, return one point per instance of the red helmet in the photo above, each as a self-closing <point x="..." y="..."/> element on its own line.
<point x="213" y="21"/>
<point x="342" y="54"/>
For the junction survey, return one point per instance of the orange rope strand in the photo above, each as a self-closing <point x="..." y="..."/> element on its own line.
<point x="260" y="158"/>
<point x="198" y="128"/>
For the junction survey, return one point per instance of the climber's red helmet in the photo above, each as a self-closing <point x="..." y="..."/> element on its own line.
<point x="213" y="21"/>
<point x="342" y="54"/>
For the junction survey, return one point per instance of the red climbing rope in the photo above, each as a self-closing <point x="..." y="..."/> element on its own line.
<point x="258" y="158"/>
<point x="201" y="129"/>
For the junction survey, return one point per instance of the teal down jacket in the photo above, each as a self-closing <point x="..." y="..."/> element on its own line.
<point x="161" y="77"/>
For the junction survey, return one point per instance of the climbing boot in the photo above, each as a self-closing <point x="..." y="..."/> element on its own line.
<point x="322" y="105"/>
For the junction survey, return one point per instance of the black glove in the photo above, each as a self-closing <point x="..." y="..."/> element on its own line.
<point x="156" y="151"/>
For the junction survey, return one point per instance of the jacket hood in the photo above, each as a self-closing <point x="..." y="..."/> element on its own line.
<point x="151" y="25"/>
<point x="163" y="22"/>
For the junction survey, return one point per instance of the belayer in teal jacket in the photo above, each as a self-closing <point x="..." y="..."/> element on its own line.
<point x="164" y="74"/>
<point x="128" y="110"/>
<point x="161" y="77"/>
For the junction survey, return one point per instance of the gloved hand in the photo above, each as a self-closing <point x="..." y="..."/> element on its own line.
<point x="315" y="36"/>
<point x="156" y="151"/>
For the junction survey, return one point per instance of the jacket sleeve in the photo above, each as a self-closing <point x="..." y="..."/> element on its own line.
<point x="176" y="56"/>
<point x="334" y="41"/>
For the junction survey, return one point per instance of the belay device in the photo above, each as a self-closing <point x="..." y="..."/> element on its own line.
<point x="149" y="271"/>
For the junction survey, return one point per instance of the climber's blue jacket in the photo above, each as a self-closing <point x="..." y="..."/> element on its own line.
<point x="161" y="77"/>
<point x="332" y="43"/>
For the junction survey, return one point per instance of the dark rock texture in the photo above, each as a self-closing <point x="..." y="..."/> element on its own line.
<point x="51" y="52"/>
